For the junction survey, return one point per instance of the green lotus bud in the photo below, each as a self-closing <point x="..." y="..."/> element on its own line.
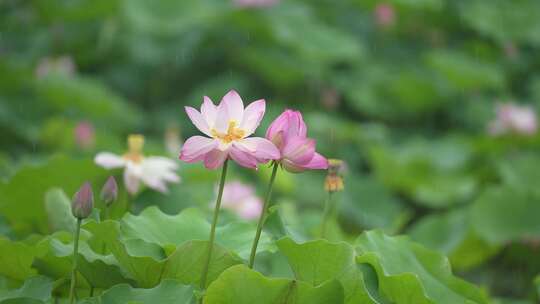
<point x="83" y="202"/>
<point x="109" y="192"/>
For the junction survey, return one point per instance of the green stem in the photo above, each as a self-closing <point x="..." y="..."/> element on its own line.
<point x="75" y="255"/>
<point x="262" y="218"/>
<point x="213" y="229"/>
<point x="326" y="214"/>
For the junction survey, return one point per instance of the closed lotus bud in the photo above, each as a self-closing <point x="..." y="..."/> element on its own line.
<point x="334" y="179"/>
<point x="83" y="202"/>
<point x="109" y="192"/>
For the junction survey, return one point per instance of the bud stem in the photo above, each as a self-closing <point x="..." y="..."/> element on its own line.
<point x="204" y="275"/>
<point x="75" y="256"/>
<point x="262" y="218"/>
<point x="326" y="213"/>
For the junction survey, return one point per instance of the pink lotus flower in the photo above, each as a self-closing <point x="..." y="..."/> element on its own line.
<point x="512" y="118"/>
<point x="228" y="126"/>
<point x="241" y="199"/>
<point x="289" y="133"/>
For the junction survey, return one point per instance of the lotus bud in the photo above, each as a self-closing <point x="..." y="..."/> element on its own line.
<point x="83" y="202"/>
<point x="109" y="192"/>
<point x="334" y="179"/>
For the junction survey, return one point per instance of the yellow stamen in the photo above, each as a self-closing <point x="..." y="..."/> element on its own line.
<point x="135" y="146"/>
<point x="233" y="133"/>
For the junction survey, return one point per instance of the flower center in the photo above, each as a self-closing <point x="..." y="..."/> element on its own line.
<point x="233" y="133"/>
<point x="135" y="145"/>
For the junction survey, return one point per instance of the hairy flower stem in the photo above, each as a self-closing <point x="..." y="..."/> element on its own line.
<point x="75" y="256"/>
<point x="262" y="218"/>
<point x="213" y="229"/>
<point x="328" y="208"/>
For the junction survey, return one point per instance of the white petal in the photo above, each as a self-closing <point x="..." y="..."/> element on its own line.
<point x="131" y="181"/>
<point x="109" y="160"/>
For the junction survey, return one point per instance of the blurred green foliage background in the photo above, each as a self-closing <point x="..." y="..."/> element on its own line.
<point x="402" y="90"/>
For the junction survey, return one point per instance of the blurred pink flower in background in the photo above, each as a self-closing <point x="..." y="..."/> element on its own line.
<point x="289" y="133"/>
<point x="61" y="65"/>
<point x="385" y="15"/>
<point x="241" y="199"/>
<point x="513" y="118"/>
<point x="228" y="126"/>
<point x="85" y="135"/>
<point x="511" y="50"/>
<point x="255" y="3"/>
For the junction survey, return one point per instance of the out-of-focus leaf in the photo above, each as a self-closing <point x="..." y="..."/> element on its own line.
<point x="465" y="73"/>
<point x="370" y="205"/>
<point x="22" y="197"/>
<point x="504" y="21"/>
<point x="504" y="214"/>
<point x="410" y="273"/>
<point x="451" y="233"/>
<point x="34" y="290"/>
<point x="58" y="207"/>
<point x="241" y="285"/>
<point x="16" y="259"/>
<point x="433" y="173"/>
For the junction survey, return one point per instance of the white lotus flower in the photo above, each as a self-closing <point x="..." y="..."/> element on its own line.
<point x="153" y="171"/>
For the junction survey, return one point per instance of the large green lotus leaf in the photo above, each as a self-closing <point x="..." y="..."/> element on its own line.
<point x="16" y="259"/>
<point x="502" y="214"/>
<point x="56" y="257"/>
<point x="167" y="292"/>
<point x="241" y="285"/>
<point x="504" y="21"/>
<point x="451" y="233"/>
<point x="320" y="261"/>
<point x="147" y="263"/>
<point x="34" y="290"/>
<point x="21" y="198"/>
<point x="58" y="207"/>
<point x="154" y="226"/>
<point x="412" y="274"/>
<point x="433" y="173"/>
